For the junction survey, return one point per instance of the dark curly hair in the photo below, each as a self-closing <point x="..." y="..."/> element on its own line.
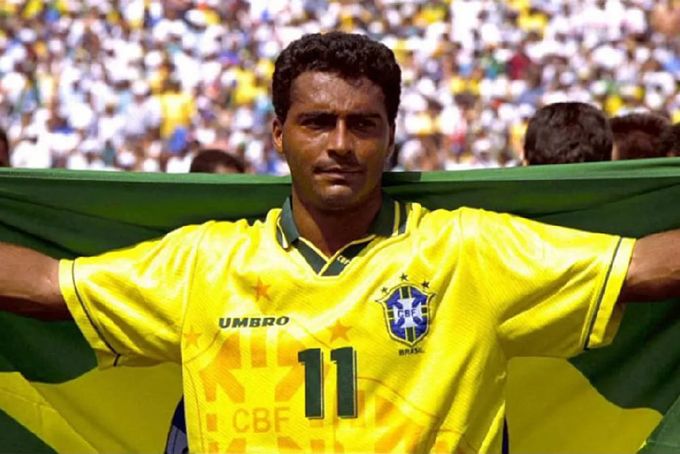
<point x="208" y="160"/>
<point x="638" y="135"/>
<point x="670" y="140"/>
<point x="349" y="55"/>
<point x="568" y="132"/>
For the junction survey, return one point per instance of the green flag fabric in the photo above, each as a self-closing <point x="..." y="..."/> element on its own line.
<point x="664" y="440"/>
<point x="618" y="399"/>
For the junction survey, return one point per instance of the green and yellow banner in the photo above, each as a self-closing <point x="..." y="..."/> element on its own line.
<point x="620" y="399"/>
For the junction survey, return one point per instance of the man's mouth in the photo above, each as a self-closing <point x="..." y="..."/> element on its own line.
<point x="337" y="170"/>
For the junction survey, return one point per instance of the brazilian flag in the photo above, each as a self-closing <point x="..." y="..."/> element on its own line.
<point x="620" y="399"/>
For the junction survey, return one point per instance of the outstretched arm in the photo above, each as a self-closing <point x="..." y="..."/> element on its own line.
<point x="29" y="283"/>
<point x="654" y="271"/>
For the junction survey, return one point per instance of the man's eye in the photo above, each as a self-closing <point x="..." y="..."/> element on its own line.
<point x="318" y="122"/>
<point x="363" y="125"/>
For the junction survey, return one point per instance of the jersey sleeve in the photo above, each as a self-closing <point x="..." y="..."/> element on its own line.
<point x="130" y="303"/>
<point x="552" y="290"/>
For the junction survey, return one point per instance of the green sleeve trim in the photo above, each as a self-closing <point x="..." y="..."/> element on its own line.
<point x="83" y="317"/>
<point x="606" y="317"/>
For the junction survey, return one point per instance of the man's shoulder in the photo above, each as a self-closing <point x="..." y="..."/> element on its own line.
<point x="423" y="214"/>
<point x="438" y="221"/>
<point x="225" y="230"/>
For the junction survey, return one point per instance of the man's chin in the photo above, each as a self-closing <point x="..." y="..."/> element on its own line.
<point x="338" y="198"/>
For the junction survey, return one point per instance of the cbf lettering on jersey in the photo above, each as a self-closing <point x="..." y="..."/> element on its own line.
<point x="252" y="322"/>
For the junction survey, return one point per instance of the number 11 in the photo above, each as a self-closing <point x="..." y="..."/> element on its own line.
<point x="345" y="360"/>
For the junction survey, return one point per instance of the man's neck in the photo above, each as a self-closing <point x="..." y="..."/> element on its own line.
<point x="331" y="230"/>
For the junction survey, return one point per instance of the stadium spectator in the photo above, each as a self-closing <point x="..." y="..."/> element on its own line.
<point x="665" y="17"/>
<point x="568" y="132"/>
<point x="214" y="160"/>
<point x="177" y="110"/>
<point x="31" y="150"/>
<point x="142" y="116"/>
<point x="638" y="135"/>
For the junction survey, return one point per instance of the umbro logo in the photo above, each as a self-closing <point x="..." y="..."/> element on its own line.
<point x="252" y="322"/>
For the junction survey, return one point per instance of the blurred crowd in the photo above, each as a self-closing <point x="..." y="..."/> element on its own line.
<point x="144" y="84"/>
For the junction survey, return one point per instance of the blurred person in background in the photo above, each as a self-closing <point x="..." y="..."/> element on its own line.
<point x="29" y="144"/>
<point x="215" y="160"/>
<point x="568" y="132"/>
<point x="177" y="110"/>
<point x="638" y="136"/>
<point x="665" y="17"/>
<point x="142" y="116"/>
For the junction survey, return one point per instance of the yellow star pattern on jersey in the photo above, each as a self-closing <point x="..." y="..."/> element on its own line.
<point x="191" y="338"/>
<point x="339" y="331"/>
<point x="397" y="343"/>
<point x="261" y="290"/>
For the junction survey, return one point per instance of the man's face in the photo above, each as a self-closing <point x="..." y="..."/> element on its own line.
<point x="336" y="138"/>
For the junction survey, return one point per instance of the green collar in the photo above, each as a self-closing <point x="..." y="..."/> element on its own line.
<point x="390" y="221"/>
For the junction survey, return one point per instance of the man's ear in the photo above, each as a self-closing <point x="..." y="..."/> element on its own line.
<point x="277" y="135"/>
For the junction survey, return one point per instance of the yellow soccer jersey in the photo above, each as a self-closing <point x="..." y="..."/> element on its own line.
<point x="397" y="343"/>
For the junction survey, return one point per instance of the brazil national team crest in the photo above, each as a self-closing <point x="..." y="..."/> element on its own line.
<point x="407" y="311"/>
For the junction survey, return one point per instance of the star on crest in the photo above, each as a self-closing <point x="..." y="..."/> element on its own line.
<point x="261" y="290"/>
<point x="403" y="277"/>
<point x="425" y="284"/>
<point x="191" y="337"/>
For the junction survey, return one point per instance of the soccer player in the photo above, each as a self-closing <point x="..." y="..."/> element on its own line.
<point x="347" y="321"/>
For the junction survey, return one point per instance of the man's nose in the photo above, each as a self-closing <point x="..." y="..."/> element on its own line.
<point x="340" y="140"/>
